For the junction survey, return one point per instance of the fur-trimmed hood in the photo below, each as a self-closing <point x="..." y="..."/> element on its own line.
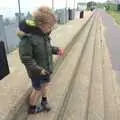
<point x="29" y="27"/>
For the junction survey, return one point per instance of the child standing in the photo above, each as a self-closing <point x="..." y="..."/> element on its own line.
<point x="36" y="52"/>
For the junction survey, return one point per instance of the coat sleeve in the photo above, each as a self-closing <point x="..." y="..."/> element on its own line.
<point x="55" y="49"/>
<point x="25" y="52"/>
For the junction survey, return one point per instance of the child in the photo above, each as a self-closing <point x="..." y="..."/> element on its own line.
<point x="36" y="52"/>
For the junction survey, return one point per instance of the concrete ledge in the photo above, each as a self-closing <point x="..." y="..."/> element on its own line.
<point x="15" y="88"/>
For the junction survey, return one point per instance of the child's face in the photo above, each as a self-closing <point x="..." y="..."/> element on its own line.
<point x="46" y="28"/>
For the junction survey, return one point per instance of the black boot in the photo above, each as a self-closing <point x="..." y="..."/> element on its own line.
<point x="45" y="104"/>
<point x="35" y="109"/>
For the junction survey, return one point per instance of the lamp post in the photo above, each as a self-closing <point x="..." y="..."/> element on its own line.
<point x="53" y="5"/>
<point x="74" y="8"/>
<point x="19" y="15"/>
<point x="74" y="4"/>
<point x="66" y="6"/>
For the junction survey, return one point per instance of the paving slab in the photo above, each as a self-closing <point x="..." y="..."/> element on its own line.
<point x="78" y="103"/>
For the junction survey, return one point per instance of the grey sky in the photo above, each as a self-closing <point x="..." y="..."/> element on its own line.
<point x="7" y="7"/>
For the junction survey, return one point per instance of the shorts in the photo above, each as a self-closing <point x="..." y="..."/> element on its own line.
<point x="37" y="82"/>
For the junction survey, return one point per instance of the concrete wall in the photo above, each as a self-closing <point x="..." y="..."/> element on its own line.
<point x="12" y="39"/>
<point x="8" y="35"/>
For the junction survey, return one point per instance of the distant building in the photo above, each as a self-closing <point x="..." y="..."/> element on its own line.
<point x="113" y="1"/>
<point x="8" y="34"/>
<point x="62" y="16"/>
<point x="29" y="16"/>
<point x="17" y="15"/>
<point x="81" y="6"/>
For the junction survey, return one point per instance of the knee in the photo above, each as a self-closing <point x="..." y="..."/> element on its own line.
<point x="37" y="91"/>
<point x="44" y="85"/>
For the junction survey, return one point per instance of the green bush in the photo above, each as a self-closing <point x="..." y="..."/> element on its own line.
<point x="115" y="15"/>
<point x="111" y="7"/>
<point x="118" y="7"/>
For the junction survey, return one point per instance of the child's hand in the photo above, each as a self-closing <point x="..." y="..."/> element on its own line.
<point x="44" y="72"/>
<point x="61" y="52"/>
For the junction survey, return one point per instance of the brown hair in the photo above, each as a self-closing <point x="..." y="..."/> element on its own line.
<point x="44" y="15"/>
<point x="44" y="9"/>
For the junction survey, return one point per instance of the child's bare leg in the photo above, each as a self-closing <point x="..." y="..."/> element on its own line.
<point x="34" y="97"/>
<point x="44" y="90"/>
<point x="44" y="101"/>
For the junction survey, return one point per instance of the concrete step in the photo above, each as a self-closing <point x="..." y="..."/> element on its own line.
<point x="96" y="95"/>
<point x="63" y="77"/>
<point x="77" y="105"/>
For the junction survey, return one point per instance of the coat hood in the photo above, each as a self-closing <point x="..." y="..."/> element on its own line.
<point x="29" y="27"/>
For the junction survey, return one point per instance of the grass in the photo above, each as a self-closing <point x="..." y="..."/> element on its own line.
<point x="112" y="10"/>
<point x="115" y="15"/>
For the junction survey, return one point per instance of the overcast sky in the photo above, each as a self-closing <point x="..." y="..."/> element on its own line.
<point x="7" y="7"/>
